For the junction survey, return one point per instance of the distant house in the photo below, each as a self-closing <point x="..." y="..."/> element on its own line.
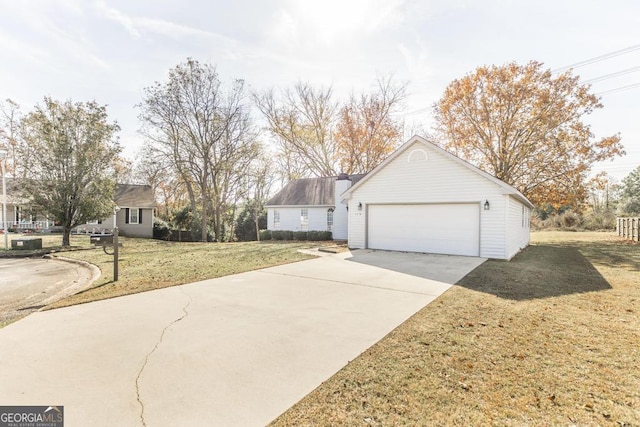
<point x="134" y="218"/>
<point x="21" y="214"/>
<point x="420" y="199"/>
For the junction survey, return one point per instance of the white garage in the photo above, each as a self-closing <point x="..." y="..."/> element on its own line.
<point x="445" y="228"/>
<point x="424" y="199"/>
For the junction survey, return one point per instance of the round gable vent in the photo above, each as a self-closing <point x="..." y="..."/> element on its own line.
<point x="418" y="155"/>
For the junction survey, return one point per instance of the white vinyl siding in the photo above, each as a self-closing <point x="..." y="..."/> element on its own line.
<point x="439" y="179"/>
<point x="517" y="226"/>
<point x="290" y="218"/>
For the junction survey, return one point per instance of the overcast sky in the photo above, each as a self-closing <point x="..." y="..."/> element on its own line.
<point x="109" y="51"/>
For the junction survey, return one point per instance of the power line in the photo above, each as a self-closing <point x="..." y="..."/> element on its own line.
<point x="612" y="75"/>
<point x="418" y="111"/>
<point x="619" y="89"/>
<point x="598" y="58"/>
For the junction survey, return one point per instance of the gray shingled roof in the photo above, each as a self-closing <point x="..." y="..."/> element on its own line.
<point x="134" y="196"/>
<point x="309" y="192"/>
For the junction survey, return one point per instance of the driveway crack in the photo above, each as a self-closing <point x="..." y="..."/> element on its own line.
<point x="354" y="283"/>
<point x="146" y="359"/>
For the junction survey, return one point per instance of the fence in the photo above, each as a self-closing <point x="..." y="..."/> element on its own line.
<point x="20" y="226"/>
<point x="628" y="228"/>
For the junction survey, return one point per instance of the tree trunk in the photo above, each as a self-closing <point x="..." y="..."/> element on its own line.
<point x="66" y="233"/>
<point x="257" y="221"/>
<point x="204" y="221"/>
<point x="217" y="226"/>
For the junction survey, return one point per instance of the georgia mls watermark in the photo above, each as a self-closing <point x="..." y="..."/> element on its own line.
<point x="31" y="416"/>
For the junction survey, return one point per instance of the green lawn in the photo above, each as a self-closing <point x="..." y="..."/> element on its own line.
<point x="549" y="338"/>
<point x="146" y="264"/>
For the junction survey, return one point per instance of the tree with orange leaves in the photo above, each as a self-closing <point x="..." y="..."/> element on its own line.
<point x="366" y="132"/>
<point x="525" y="126"/>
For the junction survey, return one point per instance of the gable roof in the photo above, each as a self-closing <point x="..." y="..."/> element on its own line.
<point x="134" y="196"/>
<point x="309" y="192"/>
<point x="508" y="189"/>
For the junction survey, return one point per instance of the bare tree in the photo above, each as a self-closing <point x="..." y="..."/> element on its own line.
<point x="204" y="131"/>
<point x="10" y="117"/>
<point x="302" y="120"/>
<point x="260" y="182"/>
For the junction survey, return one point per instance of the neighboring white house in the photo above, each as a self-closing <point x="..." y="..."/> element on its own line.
<point x="420" y="199"/>
<point x="134" y="217"/>
<point x="22" y="215"/>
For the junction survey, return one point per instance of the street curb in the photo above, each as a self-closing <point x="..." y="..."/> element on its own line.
<point x="38" y="253"/>
<point x="95" y="271"/>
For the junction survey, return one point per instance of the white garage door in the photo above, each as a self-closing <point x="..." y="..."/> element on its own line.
<point x="452" y="229"/>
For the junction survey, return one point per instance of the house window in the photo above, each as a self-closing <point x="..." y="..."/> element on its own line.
<point x="330" y="219"/>
<point x="94" y="222"/>
<point x="304" y="219"/>
<point x="276" y="219"/>
<point x="133" y="216"/>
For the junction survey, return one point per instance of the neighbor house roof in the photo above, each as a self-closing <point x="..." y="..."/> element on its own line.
<point x="508" y="189"/>
<point x="15" y="195"/>
<point x="309" y="192"/>
<point x="134" y="196"/>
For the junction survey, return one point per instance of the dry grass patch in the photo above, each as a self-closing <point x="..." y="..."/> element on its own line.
<point x="146" y="264"/>
<point x="549" y="338"/>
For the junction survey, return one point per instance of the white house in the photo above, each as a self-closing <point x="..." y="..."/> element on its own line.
<point x="424" y="199"/>
<point x="309" y="204"/>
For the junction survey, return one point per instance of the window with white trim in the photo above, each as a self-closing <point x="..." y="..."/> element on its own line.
<point x="134" y="216"/>
<point x="330" y="219"/>
<point x="304" y="219"/>
<point x="276" y="219"/>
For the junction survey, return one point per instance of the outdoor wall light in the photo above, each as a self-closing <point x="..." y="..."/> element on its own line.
<point x="359" y="206"/>
<point x="487" y="206"/>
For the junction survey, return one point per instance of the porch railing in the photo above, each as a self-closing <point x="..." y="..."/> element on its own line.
<point x="26" y="225"/>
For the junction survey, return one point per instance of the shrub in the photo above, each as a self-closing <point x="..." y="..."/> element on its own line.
<point x="570" y="219"/>
<point x="161" y="229"/>
<point x="299" y="235"/>
<point x="312" y="236"/>
<point x="603" y="220"/>
<point x="266" y="235"/>
<point x="245" y="229"/>
<point x="282" y="234"/>
<point x="315" y="236"/>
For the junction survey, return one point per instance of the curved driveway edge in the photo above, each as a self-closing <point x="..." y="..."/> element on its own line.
<point x="29" y="284"/>
<point x="237" y="350"/>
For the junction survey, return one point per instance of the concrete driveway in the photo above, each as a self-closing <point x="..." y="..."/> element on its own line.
<point x="238" y="350"/>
